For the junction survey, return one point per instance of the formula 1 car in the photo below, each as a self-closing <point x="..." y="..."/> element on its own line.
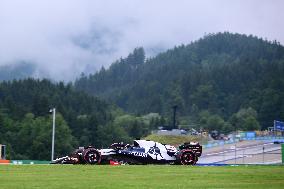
<point x="141" y="152"/>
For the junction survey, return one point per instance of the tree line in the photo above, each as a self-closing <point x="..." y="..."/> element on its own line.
<point x="222" y="81"/>
<point x="81" y="119"/>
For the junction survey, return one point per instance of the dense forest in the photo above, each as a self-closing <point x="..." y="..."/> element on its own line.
<point x="81" y="119"/>
<point x="222" y="81"/>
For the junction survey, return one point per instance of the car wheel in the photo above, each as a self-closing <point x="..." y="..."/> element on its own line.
<point x="91" y="156"/>
<point x="187" y="158"/>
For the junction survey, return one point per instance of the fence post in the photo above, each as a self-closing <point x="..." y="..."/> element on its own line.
<point x="282" y="147"/>
<point x="243" y="155"/>
<point x="262" y="154"/>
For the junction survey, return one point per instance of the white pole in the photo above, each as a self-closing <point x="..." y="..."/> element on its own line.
<point x="243" y="155"/>
<point x="235" y="152"/>
<point x="274" y="129"/>
<point x="263" y="154"/>
<point x="53" y="134"/>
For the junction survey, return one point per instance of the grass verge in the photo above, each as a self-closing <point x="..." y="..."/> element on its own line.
<point x="150" y="176"/>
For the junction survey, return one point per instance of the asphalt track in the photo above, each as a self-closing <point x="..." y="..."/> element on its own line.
<point x="245" y="152"/>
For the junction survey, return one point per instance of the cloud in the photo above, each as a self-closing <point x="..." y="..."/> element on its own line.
<point x="64" y="38"/>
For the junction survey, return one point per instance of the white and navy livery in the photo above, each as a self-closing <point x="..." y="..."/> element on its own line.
<point x="141" y="152"/>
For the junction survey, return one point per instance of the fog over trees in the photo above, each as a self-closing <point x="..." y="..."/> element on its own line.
<point x="222" y="82"/>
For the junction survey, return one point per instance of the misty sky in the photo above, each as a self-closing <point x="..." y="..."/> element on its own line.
<point x="66" y="37"/>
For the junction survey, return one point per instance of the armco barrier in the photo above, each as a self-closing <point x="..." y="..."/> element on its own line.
<point x="231" y="141"/>
<point x="24" y="162"/>
<point x="219" y="143"/>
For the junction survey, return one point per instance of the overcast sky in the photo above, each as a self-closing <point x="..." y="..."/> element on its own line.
<point x="66" y="37"/>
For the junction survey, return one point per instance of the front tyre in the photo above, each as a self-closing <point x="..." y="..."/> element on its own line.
<point x="91" y="156"/>
<point x="188" y="158"/>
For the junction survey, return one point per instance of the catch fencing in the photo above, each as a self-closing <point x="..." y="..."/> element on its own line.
<point x="260" y="150"/>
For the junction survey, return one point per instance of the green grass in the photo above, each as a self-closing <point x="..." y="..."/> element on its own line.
<point x="151" y="176"/>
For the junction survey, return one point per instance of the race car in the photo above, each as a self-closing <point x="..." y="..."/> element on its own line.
<point x="141" y="152"/>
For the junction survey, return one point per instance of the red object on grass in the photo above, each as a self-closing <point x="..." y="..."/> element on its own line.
<point x="3" y="161"/>
<point x="113" y="162"/>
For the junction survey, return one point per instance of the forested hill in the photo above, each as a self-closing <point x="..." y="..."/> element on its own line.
<point x="25" y="120"/>
<point x="81" y="119"/>
<point x="223" y="76"/>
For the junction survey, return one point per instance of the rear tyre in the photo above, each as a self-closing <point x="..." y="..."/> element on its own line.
<point x="188" y="158"/>
<point x="91" y="156"/>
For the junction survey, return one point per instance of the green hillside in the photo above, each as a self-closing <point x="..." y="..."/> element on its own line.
<point x="222" y="81"/>
<point x="81" y="120"/>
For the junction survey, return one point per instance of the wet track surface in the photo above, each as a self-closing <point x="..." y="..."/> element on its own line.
<point x="246" y="152"/>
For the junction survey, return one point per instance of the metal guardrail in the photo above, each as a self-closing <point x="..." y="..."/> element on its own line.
<point x="251" y="158"/>
<point x="30" y="162"/>
<point x="231" y="141"/>
<point x="259" y="153"/>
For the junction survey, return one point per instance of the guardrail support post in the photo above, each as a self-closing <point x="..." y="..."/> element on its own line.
<point x="282" y="147"/>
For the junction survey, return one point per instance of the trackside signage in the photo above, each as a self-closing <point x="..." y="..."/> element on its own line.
<point x="278" y="125"/>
